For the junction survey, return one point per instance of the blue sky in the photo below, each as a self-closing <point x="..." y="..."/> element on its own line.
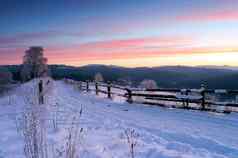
<point x="132" y="26"/>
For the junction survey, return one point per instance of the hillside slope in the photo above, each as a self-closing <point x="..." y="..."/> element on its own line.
<point x="163" y="133"/>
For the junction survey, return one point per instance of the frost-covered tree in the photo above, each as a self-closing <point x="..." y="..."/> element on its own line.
<point x="5" y="76"/>
<point x="148" y="84"/>
<point x="98" y="77"/>
<point x="34" y="64"/>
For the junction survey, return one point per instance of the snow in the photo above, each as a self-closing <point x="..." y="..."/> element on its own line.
<point x="190" y="97"/>
<point x="220" y="91"/>
<point x="197" y="90"/>
<point x="163" y="132"/>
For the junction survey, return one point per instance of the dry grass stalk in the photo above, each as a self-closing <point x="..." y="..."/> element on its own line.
<point x="131" y="137"/>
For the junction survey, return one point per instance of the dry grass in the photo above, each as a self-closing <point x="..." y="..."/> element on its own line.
<point x="34" y="134"/>
<point x="71" y="145"/>
<point x="131" y="137"/>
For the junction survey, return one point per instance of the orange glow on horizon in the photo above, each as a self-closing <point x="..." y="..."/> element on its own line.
<point x="218" y="59"/>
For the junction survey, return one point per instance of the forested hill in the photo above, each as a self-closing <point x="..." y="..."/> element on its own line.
<point x="167" y="76"/>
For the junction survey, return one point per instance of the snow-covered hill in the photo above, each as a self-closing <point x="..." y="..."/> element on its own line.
<point x="162" y="132"/>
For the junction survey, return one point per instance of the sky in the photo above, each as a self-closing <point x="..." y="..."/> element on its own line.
<point x="130" y="33"/>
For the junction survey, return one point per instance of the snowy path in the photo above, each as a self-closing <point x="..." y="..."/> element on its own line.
<point x="163" y="133"/>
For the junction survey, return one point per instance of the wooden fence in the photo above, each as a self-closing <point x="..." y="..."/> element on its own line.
<point x="196" y="99"/>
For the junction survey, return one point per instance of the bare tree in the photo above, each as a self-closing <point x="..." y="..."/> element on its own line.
<point x="34" y="64"/>
<point x="148" y="84"/>
<point x="98" y="77"/>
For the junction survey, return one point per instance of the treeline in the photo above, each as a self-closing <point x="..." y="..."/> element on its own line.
<point x="165" y="77"/>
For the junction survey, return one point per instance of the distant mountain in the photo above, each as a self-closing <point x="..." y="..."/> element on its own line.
<point x="166" y="76"/>
<point x="235" y="68"/>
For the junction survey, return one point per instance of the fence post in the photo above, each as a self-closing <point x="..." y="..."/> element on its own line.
<point x="80" y="85"/>
<point x="96" y="87"/>
<point x="203" y="97"/>
<point x="109" y="91"/>
<point x="40" y="92"/>
<point x="184" y="92"/>
<point x="187" y="100"/>
<point x="87" y="86"/>
<point x="129" y="98"/>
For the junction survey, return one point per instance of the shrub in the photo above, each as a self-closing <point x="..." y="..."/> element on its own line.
<point x="148" y="84"/>
<point x="98" y="77"/>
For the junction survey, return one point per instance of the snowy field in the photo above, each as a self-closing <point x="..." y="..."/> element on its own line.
<point x="160" y="132"/>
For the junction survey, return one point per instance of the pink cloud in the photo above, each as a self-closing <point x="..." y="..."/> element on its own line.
<point x="76" y="56"/>
<point x="131" y="48"/>
<point x="221" y="15"/>
<point x="102" y="48"/>
<point x="118" y="49"/>
<point x="105" y="50"/>
<point x="11" y="55"/>
<point x="113" y="45"/>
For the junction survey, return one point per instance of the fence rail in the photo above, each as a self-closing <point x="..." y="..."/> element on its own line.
<point x="197" y="99"/>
